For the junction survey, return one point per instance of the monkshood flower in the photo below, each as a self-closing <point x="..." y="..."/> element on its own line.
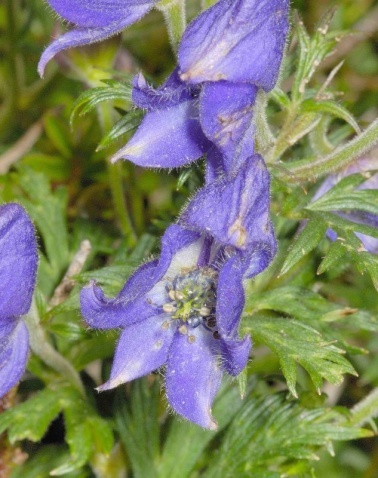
<point x="206" y="105"/>
<point x="18" y="268"/>
<point x="184" y="122"/>
<point x="361" y="165"/>
<point x="94" y="20"/>
<point x="183" y="310"/>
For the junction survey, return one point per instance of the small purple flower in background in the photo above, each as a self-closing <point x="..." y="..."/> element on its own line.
<point x="206" y="105"/>
<point x="94" y="20"/>
<point x="363" y="166"/>
<point x="18" y="269"/>
<point x="184" y="309"/>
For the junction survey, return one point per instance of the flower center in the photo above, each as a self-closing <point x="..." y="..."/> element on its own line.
<point x="192" y="298"/>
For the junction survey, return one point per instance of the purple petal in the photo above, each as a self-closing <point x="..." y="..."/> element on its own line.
<point x="236" y="40"/>
<point x="131" y="303"/>
<point x="260" y="254"/>
<point x="235" y="208"/>
<point x="142" y="348"/>
<point x="101" y="312"/>
<point x="7" y="326"/>
<point x="96" y="13"/>
<point x="102" y="29"/>
<point x="360" y="165"/>
<point x="13" y="358"/>
<point x="215" y="165"/>
<point x="226" y="116"/>
<point x="193" y="376"/>
<point x="360" y="217"/>
<point x="235" y="354"/>
<point x="230" y="296"/>
<point x="18" y="260"/>
<point x="370" y="243"/>
<point x="167" y="138"/>
<point x="171" y="93"/>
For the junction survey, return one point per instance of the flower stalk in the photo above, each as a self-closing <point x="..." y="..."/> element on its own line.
<point x="116" y="181"/>
<point x="41" y="347"/>
<point x="305" y="170"/>
<point x="365" y="410"/>
<point x="175" y="19"/>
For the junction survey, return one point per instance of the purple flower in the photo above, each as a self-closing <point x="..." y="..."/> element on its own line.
<point x="361" y="165"/>
<point x="236" y="40"/>
<point x="94" y="20"/>
<point x="206" y="105"/>
<point x="18" y="268"/>
<point x="183" y="310"/>
<point x="184" y="122"/>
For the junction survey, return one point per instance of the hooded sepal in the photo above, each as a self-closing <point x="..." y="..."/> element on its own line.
<point x="18" y="260"/>
<point x="236" y="40"/>
<point x="226" y="115"/>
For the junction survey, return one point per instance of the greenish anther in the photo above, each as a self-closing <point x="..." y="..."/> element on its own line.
<point x="192" y="296"/>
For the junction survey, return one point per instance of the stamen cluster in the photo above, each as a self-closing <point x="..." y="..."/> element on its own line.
<point x="192" y="299"/>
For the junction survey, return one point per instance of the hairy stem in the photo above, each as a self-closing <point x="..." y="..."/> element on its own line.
<point x="116" y="181"/>
<point x="43" y="349"/>
<point x="175" y="18"/>
<point x="366" y="409"/>
<point x="306" y="170"/>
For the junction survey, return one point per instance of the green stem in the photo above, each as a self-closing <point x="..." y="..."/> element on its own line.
<point x="12" y="85"/>
<point x="366" y="409"/>
<point x="116" y="182"/>
<point x="175" y="18"/>
<point x="305" y="170"/>
<point x="42" y="348"/>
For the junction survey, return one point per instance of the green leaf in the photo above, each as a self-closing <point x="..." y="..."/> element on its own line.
<point x="86" y="432"/>
<point x="41" y="462"/>
<point x="346" y="228"/>
<point x="298" y="302"/>
<point x="308" y="239"/>
<point x="31" y="419"/>
<point x="371" y="264"/>
<point x="78" y="438"/>
<point x="87" y="101"/>
<point x="312" y="50"/>
<point x="185" y="443"/>
<point x="335" y="254"/>
<point x="48" y="210"/>
<point x="330" y="108"/>
<point x="280" y="98"/>
<point x="136" y="420"/>
<point x="102" y="434"/>
<point x="270" y="432"/>
<point x="184" y="176"/>
<point x="146" y="244"/>
<point x="344" y="196"/>
<point x="58" y="134"/>
<point x="111" y="277"/>
<point x="295" y="342"/>
<point x="87" y="351"/>
<point x="126" y="124"/>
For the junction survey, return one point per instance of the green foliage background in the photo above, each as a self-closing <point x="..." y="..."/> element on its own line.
<point x="312" y="382"/>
